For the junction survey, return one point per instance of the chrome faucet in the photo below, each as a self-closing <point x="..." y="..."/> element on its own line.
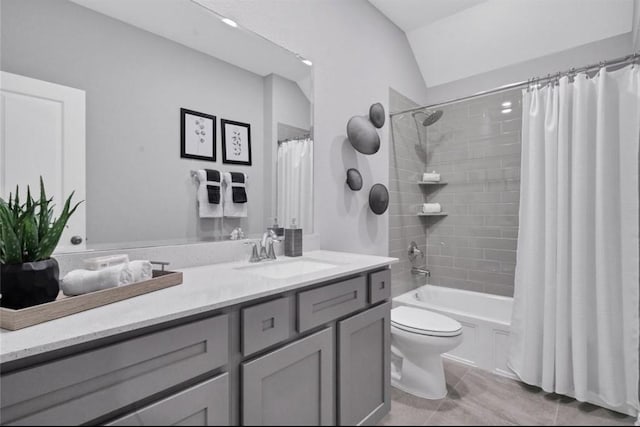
<point x="420" y="271"/>
<point x="266" y="250"/>
<point x="254" y="252"/>
<point x="415" y="252"/>
<point x="266" y="246"/>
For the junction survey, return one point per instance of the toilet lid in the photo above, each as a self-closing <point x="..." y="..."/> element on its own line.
<point x="424" y="322"/>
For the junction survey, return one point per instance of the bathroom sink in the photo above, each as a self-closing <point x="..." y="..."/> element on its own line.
<point x="287" y="268"/>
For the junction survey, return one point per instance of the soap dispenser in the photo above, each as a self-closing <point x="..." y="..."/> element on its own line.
<point x="279" y="231"/>
<point x="293" y="240"/>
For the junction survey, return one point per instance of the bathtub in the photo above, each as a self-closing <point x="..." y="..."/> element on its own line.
<point x="485" y="321"/>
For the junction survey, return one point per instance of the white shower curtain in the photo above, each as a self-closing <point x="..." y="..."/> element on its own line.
<point x="295" y="183"/>
<point x="575" y="317"/>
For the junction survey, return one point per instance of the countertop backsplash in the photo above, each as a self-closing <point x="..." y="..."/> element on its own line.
<point x="181" y="256"/>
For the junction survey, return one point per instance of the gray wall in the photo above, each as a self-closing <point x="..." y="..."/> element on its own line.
<point x="406" y="164"/>
<point x="357" y="55"/>
<point x="138" y="187"/>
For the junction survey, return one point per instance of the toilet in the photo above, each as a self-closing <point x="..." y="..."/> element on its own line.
<point x="418" y="339"/>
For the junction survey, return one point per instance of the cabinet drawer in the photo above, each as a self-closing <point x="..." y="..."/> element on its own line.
<point x="80" y="388"/>
<point x="330" y="302"/>
<point x="205" y="404"/>
<point x="265" y="324"/>
<point x="379" y="286"/>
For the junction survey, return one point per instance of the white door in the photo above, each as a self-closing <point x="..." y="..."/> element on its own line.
<point x="42" y="133"/>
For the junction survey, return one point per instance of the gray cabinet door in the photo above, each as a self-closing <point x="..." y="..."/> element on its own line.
<point x="205" y="404"/>
<point x="291" y="386"/>
<point x="365" y="378"/>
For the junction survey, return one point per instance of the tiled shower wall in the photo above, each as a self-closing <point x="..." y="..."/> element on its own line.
<point x="406" y="163"/>
<point x="475" y="147"/>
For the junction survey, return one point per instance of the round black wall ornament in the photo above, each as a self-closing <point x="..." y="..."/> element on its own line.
<point x="354" y="179"/>
<point x="363" y="135"/>
<point x="378" y="199"/>
<point x="376" y="115"/>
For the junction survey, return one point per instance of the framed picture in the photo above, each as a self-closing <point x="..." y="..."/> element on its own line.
<point x="197" y="135"/>
<point x="236" y="142"/>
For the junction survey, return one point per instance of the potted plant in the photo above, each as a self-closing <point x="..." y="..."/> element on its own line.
<point x="29" y="234"/>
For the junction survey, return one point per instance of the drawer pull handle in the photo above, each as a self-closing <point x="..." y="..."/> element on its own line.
<point x="268" y="324"/>
<point x="382" y="285"/>
<point x="340" y="299"/>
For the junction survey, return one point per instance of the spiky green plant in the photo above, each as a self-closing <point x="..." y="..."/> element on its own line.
<point x="29" y="232"/>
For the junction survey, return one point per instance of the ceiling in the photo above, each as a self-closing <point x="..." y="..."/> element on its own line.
<point x="456" y="39"/>
<point x="191" y="24"/>
<point x="411" y="14"/>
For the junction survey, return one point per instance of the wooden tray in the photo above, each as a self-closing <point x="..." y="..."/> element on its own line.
<point x="64" y="306"/>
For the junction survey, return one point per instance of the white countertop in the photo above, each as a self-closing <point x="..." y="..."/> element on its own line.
<point x="203" y="289"/>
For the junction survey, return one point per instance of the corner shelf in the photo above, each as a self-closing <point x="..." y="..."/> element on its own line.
<point x="432" y="214"/>
<point x="432" y="183"/>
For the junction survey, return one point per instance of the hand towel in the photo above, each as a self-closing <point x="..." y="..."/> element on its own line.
<point x="213" y="186"/>
<point x="431" y="177"/>
<point x="238" y="193"/>
<point x="233" y="209"/>
<point x="78" y="282"/>
<point x="207" y="189"/>
<point x="431" y="208"/>
<point x="142" y="270"/>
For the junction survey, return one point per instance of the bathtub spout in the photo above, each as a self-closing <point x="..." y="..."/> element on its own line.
<point x="420" y="271"/>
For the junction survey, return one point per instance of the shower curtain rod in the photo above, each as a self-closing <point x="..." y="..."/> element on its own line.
<point x="303" y="136"/>
<point x="536" y="80"/>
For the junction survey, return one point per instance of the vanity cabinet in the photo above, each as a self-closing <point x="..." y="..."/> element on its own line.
<point x="318" y="355"/>
<point x="291" y="386"/>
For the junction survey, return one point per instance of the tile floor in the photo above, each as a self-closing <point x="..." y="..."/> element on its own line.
<point x="480" y="398"/>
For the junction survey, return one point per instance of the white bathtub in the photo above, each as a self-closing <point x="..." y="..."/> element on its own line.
<point x="485" y="322"/>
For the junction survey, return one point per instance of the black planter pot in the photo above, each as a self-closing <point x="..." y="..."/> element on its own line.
<point x="28" y="284"/>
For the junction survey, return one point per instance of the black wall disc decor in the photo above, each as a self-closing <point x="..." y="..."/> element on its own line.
<point x="354" y="179"/>
<point x="376" y="115"/>
<point x="363" y="135"/>
<point x="379" y="199"/>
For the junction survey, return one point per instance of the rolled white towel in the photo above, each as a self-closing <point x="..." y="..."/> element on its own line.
<point x="78" y="282"/>
<point x="142" y="270"/>
<point x="431" y="177"/>
<point x="431" y="208"/>
<point x="105" y="261"/>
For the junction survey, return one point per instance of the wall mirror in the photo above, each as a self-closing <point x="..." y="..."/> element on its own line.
<point x="120" y="100"/>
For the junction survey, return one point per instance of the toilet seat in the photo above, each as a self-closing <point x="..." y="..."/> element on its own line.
<point x="424" y="322"/>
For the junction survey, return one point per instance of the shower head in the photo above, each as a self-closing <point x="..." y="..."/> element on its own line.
<point x="431" y="116"/>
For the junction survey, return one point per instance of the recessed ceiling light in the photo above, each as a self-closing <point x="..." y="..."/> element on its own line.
<point x="230" y="22"/>
<point x="506" y="104"/>
<point x="306" y="62"/>
<point x="506" y="111"/>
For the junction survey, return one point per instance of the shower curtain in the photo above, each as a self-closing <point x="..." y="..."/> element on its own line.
<point x="575" y="317"/>
<point x="295" y="183"/>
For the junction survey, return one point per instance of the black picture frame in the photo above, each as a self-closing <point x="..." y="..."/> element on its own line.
<point x="225" y="157"/>
<point x="183" y="137"/>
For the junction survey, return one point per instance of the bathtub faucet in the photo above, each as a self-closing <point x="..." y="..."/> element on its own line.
<point x="414" y="252"/>
<point x="420" y="271"/>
